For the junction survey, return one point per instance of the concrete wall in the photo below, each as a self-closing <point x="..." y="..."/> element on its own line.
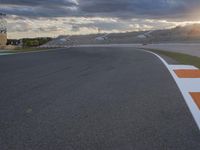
<point x="3" y="39"/>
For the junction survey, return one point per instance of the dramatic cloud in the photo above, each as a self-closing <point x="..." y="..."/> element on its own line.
<point x="40" y="2"/>
<point x="167" y="9"/>
<point x="39" y="8"/>
<point x="87" y="16"/>
<point x="113" y="8"/>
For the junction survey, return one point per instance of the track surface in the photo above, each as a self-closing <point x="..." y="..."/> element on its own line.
<point x="92" y="98"/>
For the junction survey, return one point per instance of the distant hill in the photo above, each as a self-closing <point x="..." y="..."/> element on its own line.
<point x="189" y="33"/>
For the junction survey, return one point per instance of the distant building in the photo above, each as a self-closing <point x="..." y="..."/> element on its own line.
<point x="3" y="30"/>
<point x="14" y="42"/>
<point x="102" y="38"/>
<point x="141" y="36"/>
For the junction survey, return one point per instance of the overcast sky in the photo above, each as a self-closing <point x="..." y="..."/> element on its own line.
<point x="30" y="18"/>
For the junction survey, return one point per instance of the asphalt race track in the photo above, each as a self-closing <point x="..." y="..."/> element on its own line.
<point x="92" y="99"/>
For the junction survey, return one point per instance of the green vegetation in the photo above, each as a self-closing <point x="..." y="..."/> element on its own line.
<point x="181" y="58"/>
<point x="35" y="42"/>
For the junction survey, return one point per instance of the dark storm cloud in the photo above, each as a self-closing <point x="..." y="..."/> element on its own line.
<point x="27" y="11"/>
<point x="102" y="8"/>
<point x="39" y="8"/>
<point x="139" y="8"/>
<point x="38" y="2"/>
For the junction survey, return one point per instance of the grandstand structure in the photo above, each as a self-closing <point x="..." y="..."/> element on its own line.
<point x="3" y="30"/>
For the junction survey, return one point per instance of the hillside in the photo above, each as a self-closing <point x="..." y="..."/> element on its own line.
<point x="189" y="33"/>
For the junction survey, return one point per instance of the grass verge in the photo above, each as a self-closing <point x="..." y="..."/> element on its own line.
<point x="179" y="57"/>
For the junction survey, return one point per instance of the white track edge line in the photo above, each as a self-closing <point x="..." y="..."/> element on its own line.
<point x="187" y="97"/>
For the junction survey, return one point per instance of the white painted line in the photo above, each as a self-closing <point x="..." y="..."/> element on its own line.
<point x="3" y="54"/>
<point x="186" y="86"/>
<point x="190" y="84"/>
<point x="175" y="67"/>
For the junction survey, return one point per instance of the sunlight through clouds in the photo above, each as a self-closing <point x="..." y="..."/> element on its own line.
<point x="54" y="17"/>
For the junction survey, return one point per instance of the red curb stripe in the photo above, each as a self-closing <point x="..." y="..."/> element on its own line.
<point x="187" y="73"/>
<point x="196" y="98"/>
